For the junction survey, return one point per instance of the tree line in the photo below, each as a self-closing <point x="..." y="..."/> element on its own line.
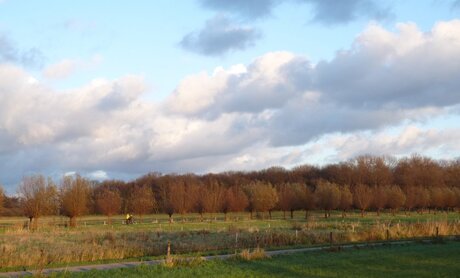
<point x="365" y="183"/>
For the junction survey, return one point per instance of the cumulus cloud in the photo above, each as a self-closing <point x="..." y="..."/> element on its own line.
<point x="242" y="117"/>
<point x="10" y="53"/>
<point x="220" y="35"/>
<point x="410" y="139"/>
<point x="384" y="78"/>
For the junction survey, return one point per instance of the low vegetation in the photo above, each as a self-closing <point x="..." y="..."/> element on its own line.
<point x="417" y="260"/>
<point x="53" y="244"/>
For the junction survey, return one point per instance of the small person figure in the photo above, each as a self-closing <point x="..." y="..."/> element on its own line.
<point x="129" y="219"/>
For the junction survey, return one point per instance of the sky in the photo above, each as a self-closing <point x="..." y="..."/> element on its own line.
<point x="117" y="89"/>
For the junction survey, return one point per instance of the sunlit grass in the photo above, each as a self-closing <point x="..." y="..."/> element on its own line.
<point x="55" y="244"/>
<point x="417" y="260"/>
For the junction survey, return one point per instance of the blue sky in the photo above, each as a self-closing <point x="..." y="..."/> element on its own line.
<point x="114" y="89"/>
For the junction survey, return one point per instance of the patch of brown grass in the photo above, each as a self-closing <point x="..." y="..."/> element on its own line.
<point x="256" y="254"/>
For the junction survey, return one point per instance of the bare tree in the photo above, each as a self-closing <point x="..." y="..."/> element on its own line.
<point x="37" y="195"/>
<point x="362" y="197"/>
<point x="74" y="194"/>
<point x="264" y="197"/>
<point x="456" y="191"/>
<point x="307" y="200"/>
<point x="327" y="196"/>
<point x="411" y="197"/>
<point x="2" y="198"/>
<point x="423" y="198"/>
<point x="286" y="196"/>
<point x="346" y="199"/>
<point x="173" y="197"/>
<point x="437" y="198"/>
<point x="235" y="200"/>
<point x="395" y="198"/>
<point x="449" y="199"/>
<point x="142" y="200"/>
<point x="289" y="198"/>
<point x="213" y="197"/>
<point x="379" y="198"/>
<point x="108" y="202"/>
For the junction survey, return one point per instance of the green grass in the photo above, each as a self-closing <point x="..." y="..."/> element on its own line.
<point x="215" y="221"/>
<point x="415" y="260"/>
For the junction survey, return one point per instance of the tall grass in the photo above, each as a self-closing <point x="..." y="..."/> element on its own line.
<point x="51" y="245"/>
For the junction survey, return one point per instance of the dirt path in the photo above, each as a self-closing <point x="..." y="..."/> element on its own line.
<point x="221" y="257"/>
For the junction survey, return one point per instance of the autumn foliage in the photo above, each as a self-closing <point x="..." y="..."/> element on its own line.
<point x="366" y="183"/>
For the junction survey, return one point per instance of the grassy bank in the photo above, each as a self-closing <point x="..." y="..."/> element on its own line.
<point x="417" y="260"/>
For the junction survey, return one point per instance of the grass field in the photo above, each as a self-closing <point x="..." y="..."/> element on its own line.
<point x="415" y="260"/>
<point x="54" y="244"/>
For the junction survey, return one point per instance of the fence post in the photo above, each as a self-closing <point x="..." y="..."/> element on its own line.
<point x="388" y="234"/>
<point x="236" y="242"/>
<point x="169" y="249"/>
<point x="330" y="238"/>
<point x="437" y="231"/>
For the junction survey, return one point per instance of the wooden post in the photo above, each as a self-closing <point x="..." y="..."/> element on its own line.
<point x="169" y="249"/>
<point x="330" y="238"/>
<point x="388" y="234"/>
<point x="437" y="231"/>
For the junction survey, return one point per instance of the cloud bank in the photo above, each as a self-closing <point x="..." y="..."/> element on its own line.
<point x="243" y="117"/>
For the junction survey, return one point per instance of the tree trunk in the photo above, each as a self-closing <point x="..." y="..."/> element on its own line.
<point x="32" y="223"/>
<point x="170" y="218"/>
<point x="292" y="214"/>
<point x="73" y="221"/>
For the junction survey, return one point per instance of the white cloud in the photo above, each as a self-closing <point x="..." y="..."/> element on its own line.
<point x="67" y="67"/>
<point x="98" y="175"/>
<point x="408" y="140"/>
<point x="244" y="117"/>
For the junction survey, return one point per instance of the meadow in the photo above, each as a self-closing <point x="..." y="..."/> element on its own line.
<point x="95" y="240"/>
